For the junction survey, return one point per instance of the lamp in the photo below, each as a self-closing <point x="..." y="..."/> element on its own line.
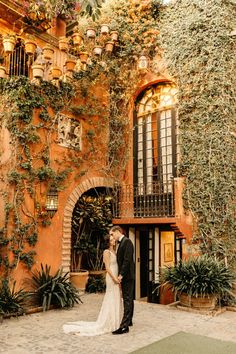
<point x="52" y="201"/>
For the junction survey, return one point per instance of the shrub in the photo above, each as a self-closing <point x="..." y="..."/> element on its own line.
<point x="53" y="289"/>
<point x="96" y="284"/>
<point x="199" y="276"/>
<point x="11" y="301"/>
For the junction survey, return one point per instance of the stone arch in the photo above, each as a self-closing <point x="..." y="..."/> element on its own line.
<point x="71" y="201"/>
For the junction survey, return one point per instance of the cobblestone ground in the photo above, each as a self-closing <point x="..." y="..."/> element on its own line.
<point x="42" y="333"/>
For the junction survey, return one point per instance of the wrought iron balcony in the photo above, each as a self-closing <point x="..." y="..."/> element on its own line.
<point x="144" y="200"/>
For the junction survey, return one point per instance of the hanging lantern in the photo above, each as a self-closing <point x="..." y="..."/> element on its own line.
<point x="52" y="201"/>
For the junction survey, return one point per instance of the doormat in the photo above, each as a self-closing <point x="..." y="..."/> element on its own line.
<point x="187" y="343"/>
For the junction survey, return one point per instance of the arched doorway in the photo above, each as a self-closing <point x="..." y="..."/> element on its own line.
<point x="86" y="185"/>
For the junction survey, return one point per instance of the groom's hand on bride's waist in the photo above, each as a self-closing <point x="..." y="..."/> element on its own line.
<point x="120" y="278"/>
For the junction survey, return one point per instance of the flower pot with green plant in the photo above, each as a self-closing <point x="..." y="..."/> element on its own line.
<point x="199" y="281"/>
<point x="90" y="223"/>
<point x="9" y="42"/>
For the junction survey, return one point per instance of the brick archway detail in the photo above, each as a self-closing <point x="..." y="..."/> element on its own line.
<point x="73" y="198"/>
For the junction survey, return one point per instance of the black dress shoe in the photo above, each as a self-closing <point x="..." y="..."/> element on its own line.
<point x="121" y="330"/>
<point x="131" y="324"/>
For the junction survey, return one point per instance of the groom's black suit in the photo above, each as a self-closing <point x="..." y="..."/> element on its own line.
<point x="126" y="268"/>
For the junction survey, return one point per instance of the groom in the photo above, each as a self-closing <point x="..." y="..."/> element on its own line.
<point x="126" y="270"/>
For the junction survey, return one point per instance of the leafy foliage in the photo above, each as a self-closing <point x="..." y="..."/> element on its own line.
<point x="20" y="99"/>
<point x="53" y="289"/>
<point x="11" y="301"/>
<point x="199" y="276"/>
<point x="90" y="223"/>
<point x="91" y="8"/>
<point x="96" y="284"/>
<point x="201" y="58"/>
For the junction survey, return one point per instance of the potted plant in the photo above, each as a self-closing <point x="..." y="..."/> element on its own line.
<point x="70" y="64"/>
<point x="104" y="29"/>
<point x="63" y="44"/>
<point x="77" y="38"/>
<point x="78" y="276"/>
<point x="30" y="46"/>
<point x="90" y="223"/>
<point x="199" y="281"/>
<point x="83" y="54"/>
<point x="114" y="36"/>
<point x="109" y="46"/>
<point x="55" y="72"/>
<point x="48" y="52"/>
<point x="97" y="50"/>
<point x="9" y="42"/>
<point x="37" y="71"/>
<point x="91" y="32"/>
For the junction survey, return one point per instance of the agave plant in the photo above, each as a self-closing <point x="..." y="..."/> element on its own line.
<point x="53" y="289"/>
<point x="199" y="276"/>
<point x="11" y="300"/>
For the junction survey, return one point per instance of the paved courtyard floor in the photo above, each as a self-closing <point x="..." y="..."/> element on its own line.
<point x="41" y="333"/>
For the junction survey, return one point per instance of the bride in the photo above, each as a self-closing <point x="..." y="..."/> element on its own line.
<point x="111" y="310"/>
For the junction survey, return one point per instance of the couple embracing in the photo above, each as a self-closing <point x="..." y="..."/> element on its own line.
<point x="115" y="315"/>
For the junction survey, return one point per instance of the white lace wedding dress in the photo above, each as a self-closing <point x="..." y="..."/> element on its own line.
<point x="109" y="317"/>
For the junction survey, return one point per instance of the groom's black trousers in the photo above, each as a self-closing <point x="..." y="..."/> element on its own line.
<point x="127" y="287"/>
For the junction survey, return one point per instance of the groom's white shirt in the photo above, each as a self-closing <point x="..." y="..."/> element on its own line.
<point x="121" y="237"/>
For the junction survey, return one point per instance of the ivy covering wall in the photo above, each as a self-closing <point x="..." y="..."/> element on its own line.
<point x="201" y="57"/>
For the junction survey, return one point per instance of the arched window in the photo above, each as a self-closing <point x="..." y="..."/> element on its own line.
<point x="155" y="140"/>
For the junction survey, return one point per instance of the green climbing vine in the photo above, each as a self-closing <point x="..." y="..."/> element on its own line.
<point x="29" y="164"/>
<point x="201" y="57"/>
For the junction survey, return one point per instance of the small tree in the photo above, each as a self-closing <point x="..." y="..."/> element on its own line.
<point x="91" y="220"/>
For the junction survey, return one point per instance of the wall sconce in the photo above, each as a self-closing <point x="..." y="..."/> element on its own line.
<point x="52" y="201"/>
<point x="143" y="62"/>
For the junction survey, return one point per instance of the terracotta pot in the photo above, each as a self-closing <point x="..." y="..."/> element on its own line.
<point x="199" y="303"/>
<point x="30" y="47"/>
<point x="55" y="72"/>
<point x="63" y="44"/>
<point x="37" y="71"/>
<point x="79" y="279"/>
<point x="204" y="303"/>
<point x="104" y="29"/>
<point x="3" y="72"/>
<point x="9" y="45"/>
<point x="91" y="33"/>
<point x="114" y="36"/>
<point x="77" y="38"/>
<point x="83" y="57"/>
<point x="97" y="50"/>
<point x="70" y="64"/>
<point x="185" y="300"/>
<point x="109" y="46"/>
<point x="48" y="53"/>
